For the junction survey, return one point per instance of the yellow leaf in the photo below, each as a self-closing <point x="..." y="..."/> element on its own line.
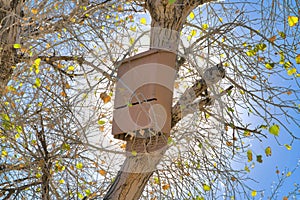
<point x="79" y="165"/>
<point x="292" y="71"/>
<point x="143" y="21"/>
<point x="288" y="147"/>
<point x="71" y="68"/>
<point x="4" y="153"/>
<point x="38" y="82"/>
<point x="38" y="175"/>
<point x="268" y="151"/>
<point x="193" y="32"/>
<point x="253" y="193"/>
<point x="220" y="19"/>
<point x="34" y="11"/>
<point x="131" y="41"/>
<point x="19" y="129"/>
<point x="192" y="15"/>
<point x="61" y="181"/>
<point x="204" y="26"/>
<point x="133" y="28"/>
<point x="288" y="174"/>
<point x="298" y="59"/>
<point x="292" y="20"/>
<point x="269" y="65"/>
<point x="206" y="187"/>
<point x="166" y="186"/>
<point x="36" y="65"/>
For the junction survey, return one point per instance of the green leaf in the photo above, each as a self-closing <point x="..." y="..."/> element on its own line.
<point x="282" y="34"/>
<point x="156" y="180"/>
<point x="274" y="130"/>
<point x="249" y="155"/>
<point x="101" y="122"/>
<point x="170" y="140"/>
<point x="134" y="153"/>
<point x="230" y="109"/>
<point x="263" y="127"/>
<point x="171" y="1"/>
<point x="66" y="147"/>
<point x="17" y="46"/>
<point x="247" y="133"/>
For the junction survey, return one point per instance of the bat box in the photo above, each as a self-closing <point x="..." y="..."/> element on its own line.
<point x="143" y="97"/>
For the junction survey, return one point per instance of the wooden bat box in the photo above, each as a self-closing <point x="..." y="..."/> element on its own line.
<point x="143" y="97"/>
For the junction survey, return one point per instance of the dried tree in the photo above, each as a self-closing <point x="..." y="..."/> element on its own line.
<point x="58" y="69"/>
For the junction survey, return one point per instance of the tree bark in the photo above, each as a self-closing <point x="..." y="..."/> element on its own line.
<point x="167" y="21"/>
<point x="10" y="14"/>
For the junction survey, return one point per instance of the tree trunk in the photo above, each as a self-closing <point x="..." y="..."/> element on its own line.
<point x="10" y="14"/>
<point x="167" y="22"/>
